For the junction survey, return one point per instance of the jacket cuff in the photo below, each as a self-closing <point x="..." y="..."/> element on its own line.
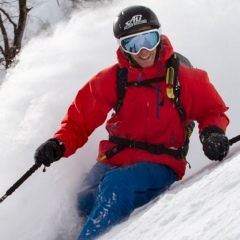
<point x="59" y="143"/>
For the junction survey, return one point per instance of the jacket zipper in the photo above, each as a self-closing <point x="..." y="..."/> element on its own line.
<point x="147" y="107"/>
<point x="158" y="101"/>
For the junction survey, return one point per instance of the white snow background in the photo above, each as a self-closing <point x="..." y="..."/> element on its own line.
<point x="35" y="95"/>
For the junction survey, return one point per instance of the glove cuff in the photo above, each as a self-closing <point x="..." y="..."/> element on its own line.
<point x="59" y="143"/>
<point x="208" y="131"/>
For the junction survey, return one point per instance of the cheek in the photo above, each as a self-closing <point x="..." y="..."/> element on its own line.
<point x="154" y="52"/>
<point x="133" y="57"/>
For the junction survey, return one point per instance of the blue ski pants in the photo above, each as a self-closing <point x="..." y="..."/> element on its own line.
<point x="110" y="194"/>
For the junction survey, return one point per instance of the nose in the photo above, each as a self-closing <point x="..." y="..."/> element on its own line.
<point x="143" y="51"/>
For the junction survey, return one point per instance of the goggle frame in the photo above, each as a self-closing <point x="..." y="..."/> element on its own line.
<point x="158" y="31"/>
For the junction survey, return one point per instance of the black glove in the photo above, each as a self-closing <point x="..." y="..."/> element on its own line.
<point x="215" y="143"/>
<point x="49" y="152"/>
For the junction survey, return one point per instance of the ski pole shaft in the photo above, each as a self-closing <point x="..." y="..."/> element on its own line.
<point x="19" y="182"/>
<point x="234" y="140"/>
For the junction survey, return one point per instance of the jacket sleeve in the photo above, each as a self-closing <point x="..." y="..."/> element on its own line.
<point x="200" y="99"/>
<point x="88" y="111"/>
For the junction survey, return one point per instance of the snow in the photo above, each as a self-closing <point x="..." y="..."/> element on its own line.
<point x="36" y="93"/>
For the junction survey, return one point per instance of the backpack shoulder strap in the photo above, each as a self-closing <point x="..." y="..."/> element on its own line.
<point x="173" y="87"/>
<point x="172" y="82"/>
<point x="122" y="74"/>
<point x="122" y="84"/>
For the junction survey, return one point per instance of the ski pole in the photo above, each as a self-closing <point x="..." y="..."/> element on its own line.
<point x="19" y="182"/>
<point x="234" y="140"/>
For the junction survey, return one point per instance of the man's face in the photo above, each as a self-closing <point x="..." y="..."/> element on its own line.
<point x="144" y="58"/>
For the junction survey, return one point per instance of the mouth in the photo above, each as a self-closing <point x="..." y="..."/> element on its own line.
<point x="145" y="58"/>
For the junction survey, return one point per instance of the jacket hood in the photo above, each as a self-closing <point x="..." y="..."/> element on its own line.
<point x="165" y="53"/>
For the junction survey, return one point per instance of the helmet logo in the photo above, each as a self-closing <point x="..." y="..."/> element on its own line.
<point x="136" y="20"/>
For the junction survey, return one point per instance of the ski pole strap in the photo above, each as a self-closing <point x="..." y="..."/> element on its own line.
<point x="152" y="148"/>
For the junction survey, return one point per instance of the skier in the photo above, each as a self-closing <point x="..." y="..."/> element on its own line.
<point x="147" y="145"/>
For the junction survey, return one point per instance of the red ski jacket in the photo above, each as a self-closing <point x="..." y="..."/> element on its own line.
<point x="141" y="117"/>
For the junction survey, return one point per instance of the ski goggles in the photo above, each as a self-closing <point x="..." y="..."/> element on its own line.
<point x="144" y="40"/>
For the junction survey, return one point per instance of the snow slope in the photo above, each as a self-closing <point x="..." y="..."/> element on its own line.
<point x="204" y="207"/>
<point x="37" y="92"/>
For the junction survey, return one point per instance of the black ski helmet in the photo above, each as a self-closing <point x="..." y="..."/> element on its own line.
<point x="133" y="18"/>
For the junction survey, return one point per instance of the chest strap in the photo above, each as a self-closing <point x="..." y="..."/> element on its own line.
<point x="152" y="148"/>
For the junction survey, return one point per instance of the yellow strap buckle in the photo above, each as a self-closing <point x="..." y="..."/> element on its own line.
<point x="103" y="158"/>
<point x="170" y="82"/>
